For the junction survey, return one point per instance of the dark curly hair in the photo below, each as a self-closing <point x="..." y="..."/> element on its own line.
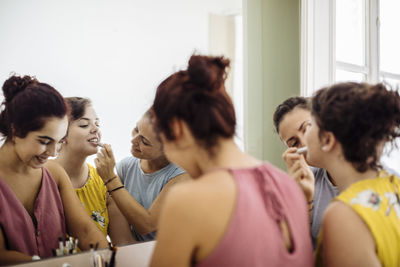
<point x="198" y="97"/>
<point x="362" y="117"/>
<point x="27" y="102"/>
<point x="287" y="106"/>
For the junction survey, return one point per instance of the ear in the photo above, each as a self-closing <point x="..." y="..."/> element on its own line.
<point x="176" y="128"/>
<point x="182" y="133"/>
<point x="328" y="141"/>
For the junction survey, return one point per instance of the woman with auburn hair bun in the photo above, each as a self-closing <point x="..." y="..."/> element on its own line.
<point x="237" y="211"/>
<point x="351" y="123"/>
<point x="38" y="204"/>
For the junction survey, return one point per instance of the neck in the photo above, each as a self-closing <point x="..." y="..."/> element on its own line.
<point x="150" y="166"/>
<point x="75" y="166"/>
<point x="226" y="154"/>
<point x="344" y="174"/>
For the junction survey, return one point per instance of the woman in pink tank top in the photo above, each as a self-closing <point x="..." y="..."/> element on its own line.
<point x="38" y="204"/>
<point x="237" y="211"/>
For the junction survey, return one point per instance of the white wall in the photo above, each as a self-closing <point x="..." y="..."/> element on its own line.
<point x="114" y="52"/>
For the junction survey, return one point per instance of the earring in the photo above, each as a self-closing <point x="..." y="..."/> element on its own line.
<point x="324" y="148"/>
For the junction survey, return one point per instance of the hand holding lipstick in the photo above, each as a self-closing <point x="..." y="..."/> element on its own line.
<point x="105" y="162"/>
<point x="298" y="169"/>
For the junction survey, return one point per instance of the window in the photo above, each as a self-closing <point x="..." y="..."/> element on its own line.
<point x="351" y="40"/>
<point x="366" y="40"/>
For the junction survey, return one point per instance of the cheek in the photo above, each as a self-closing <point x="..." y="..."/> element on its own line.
<point x="29" y="150"/>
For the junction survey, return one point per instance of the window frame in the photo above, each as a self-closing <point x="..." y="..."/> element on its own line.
<point x="318" y="57"/>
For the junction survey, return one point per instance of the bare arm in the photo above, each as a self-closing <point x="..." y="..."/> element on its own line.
<point x="78" y="222"/>
<point x="118" y="227"/>
<point x="144" y="221"/>
<point x="347" y="241"/>
<point x="10" y="256"/>
<point x="175" y="239"/>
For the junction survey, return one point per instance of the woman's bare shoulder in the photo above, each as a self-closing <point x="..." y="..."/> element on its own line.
<point x="56" y="170"/>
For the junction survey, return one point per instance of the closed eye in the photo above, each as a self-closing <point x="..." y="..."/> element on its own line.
<point x="44" y="142"/>
<point x="145" y="142"/>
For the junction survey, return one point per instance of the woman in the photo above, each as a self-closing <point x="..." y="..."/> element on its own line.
<point x="38" y="205"/>
<point x="237" y="211"/>
<point x="147" y="176"/>
<point x="351" y="123"/>
<point x="82" y="141"/>
<point x="291" y="119"/>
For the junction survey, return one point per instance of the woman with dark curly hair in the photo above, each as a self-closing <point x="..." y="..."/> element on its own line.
<point x="38" y="203"/>
<point x="237" y="211"/>
<point x="351" y="123"/>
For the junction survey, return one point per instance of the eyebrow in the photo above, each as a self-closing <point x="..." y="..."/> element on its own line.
<point x="87" y="119"/>
<point x="302" y="125"/>
<point x="46" y="137"/>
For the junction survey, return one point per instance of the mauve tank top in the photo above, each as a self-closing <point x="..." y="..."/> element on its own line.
<point x="18" y="228"/>
<point x="266" y="195"/>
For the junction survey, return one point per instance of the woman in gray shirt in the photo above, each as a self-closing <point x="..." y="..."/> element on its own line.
<point x="144" y="179"/>
<point x="291" y="119"/>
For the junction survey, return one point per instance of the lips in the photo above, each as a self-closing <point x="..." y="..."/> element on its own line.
<point x="135" y="149"/>
<point x="41" y="160"/>
<point x="94" y="141"/>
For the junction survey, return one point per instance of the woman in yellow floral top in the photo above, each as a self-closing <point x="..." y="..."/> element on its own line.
<point x="82" y="141"/>
<point x="351" y="123"/>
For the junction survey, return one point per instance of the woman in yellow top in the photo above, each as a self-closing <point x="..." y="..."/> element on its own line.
<point x="351" y="123"/>
<point x="82" y="141"/>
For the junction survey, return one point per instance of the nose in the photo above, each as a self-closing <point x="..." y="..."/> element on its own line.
<point x="94" y="129"/>
<point x="134" y="139"/>
<point x="302" y="141"/>
<point x="52" y="150"/>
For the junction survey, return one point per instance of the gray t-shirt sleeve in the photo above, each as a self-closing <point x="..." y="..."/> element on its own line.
<point x="324" y="192"/>
<point x="174" y="171"/>
<point x="121" y="168"/>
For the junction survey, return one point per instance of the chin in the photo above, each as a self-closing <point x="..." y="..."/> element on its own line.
<point x="92" y="151"/>
<point x="135" y="154"/>
<point x="312" y="163"/>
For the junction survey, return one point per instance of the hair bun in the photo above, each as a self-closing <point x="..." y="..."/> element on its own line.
<point x="207" y="72"/>
<point x="15" y="84"/>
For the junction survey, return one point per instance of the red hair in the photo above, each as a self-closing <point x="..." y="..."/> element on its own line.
<point x="26" y="105"/>
<point x="198" y="97"/>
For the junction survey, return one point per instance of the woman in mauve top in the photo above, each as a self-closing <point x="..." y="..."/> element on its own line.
<point x="237" y="211"/>
<point x="38" y="204"/>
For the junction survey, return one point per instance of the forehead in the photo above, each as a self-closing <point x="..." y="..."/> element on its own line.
<point x="90" y="112"/>
<point x="55" y="128"/>
<point x="292" y="121"/>
<point x="146" y="129"/>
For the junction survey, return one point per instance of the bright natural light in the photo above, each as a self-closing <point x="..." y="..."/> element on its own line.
<point x="349" y="31"/>
<point x="390" y="41"/>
